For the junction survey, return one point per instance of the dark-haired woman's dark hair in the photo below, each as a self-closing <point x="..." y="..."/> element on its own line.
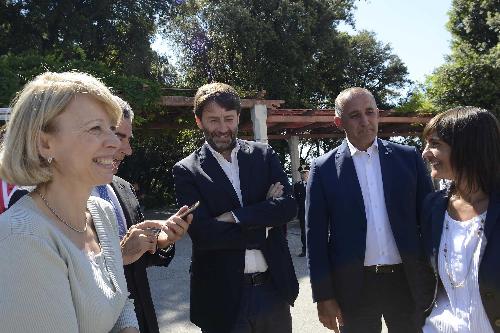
<point x="474" y="137"/>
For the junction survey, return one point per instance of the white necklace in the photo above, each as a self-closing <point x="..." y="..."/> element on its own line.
<point x="81" y="231"/>
<point x="447" y="261"/>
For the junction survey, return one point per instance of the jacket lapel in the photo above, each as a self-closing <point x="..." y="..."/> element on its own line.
<point x="347" y="174"/>
<point x="245" y="166"/>
<point x="387" y="171"/>
<point x="125" y="204"/>
<point x="212" y="168"/>
<point x="437" y="217"/>
<point x="493" y="214"/>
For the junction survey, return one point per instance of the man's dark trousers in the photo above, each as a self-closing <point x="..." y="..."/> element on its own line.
<point x="261" y="311"/>
<point x="386" y="294"/>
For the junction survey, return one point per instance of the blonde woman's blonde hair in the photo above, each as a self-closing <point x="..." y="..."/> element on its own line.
<point x="33" y="110"/>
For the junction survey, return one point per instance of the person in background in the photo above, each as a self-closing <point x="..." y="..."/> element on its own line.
<point x="363" y="205"/>
<point x="461" y="223"/>
<point x="9" y="193"/>
<point x="299" y="190"/>
<point x="60" y="138"/>
<point x="141" y="247"/>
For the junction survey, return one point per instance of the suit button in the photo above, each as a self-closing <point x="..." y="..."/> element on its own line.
<point x="497" y="322"/>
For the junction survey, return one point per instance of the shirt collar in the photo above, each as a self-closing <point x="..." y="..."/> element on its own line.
<point x="354" y="150"/>
<point x="219" y="156"/>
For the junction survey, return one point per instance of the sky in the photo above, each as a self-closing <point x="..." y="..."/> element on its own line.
<point x="415" y="29"/>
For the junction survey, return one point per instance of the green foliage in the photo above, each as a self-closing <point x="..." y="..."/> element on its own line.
<point x="109" y="39"/>
<point x="372" y="65"/>
<point x="416" y="102"/>
<point x="475" y="23"/>
<point x="471" y="76"/>
<point x="114" y="32"/>
<point x="290" y="49"/>
<point x="16" y="70"/>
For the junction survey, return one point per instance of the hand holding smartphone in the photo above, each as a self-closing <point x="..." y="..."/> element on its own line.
<point x="156" y="231"/>
<point x="190" y="210"/>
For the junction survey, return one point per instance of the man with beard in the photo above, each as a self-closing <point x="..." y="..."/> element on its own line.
<point x="141" y="247"/>
<point x="362" y="215"/>
<point x="242" y="276"/>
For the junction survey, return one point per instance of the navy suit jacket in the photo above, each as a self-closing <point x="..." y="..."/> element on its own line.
<point x="489" y="269"/>
<point x="135" y="273"/>
<point x="336" y="221"/>
<point x="218" y="257"/>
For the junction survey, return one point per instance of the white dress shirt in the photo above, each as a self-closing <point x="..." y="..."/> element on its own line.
<point x="460" y="309"/>
<point x="381" y="246"/>
<point x="254" y="259"/>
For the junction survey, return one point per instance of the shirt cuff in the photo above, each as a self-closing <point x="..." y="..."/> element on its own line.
<point x="235" y="218"/>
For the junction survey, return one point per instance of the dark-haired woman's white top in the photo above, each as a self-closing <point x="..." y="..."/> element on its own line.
<point x="459" y="308"/>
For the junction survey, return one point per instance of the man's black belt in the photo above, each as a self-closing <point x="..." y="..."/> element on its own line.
<point x="256" y="279"/>
<point x="384" y="269"/>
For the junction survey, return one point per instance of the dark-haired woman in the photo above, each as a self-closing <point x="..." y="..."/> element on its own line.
<point x="461" y="225"/>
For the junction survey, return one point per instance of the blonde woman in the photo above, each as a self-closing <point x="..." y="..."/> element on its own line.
<point x="61" y="267"/>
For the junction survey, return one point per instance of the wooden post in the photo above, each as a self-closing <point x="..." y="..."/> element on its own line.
<point x="259" y="120"/>
<point x="293" y="146"/>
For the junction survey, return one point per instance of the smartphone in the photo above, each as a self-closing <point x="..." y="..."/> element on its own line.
<point x="190" y="210"/>
<point x="155" y="230"/>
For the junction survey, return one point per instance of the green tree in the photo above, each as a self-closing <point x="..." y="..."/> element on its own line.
<point x="471" y="75"/>
<point x="290" y="49"/>
<point x="416" y="101"/>
<point x="372" y="65"/>
<point x="115" y="32"/>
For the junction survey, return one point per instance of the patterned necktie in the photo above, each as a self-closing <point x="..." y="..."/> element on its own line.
<point x="103" y="193"/>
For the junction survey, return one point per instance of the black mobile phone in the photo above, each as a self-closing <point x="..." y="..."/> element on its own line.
<point x="190" y="210"/>
<point x="155" y="230"/>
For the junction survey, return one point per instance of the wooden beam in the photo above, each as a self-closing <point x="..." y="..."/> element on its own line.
<point x="308" y="127"/>
<point x="406" y="120"/>
<point x="299" y="119"/>
<point x="171" y="125"/>
<point x="330" y="119"/>
<point x="183" y="101"/>
<point x="327" y="135"/>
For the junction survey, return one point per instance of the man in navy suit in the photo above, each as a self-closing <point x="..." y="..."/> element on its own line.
<point x="242" y="276"/>
<point x="363" y="204"/>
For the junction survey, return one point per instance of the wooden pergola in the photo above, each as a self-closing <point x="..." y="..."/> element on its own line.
<point x="263" y="120"/>
<point x="319" y="123"/>
<point x="266" y="120"/>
